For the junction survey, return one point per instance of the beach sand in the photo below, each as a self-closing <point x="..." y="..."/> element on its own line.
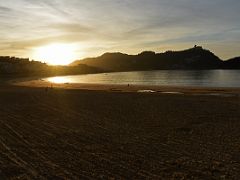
<point x="131" y="88"/>
<point x="112" y="132"/>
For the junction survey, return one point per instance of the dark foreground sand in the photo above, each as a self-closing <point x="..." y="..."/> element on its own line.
<point x="80" y="134"/>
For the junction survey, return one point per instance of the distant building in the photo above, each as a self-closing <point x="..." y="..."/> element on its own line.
<point x="198" y="47"/>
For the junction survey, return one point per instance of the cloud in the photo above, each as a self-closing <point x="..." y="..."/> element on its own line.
<point x="127" y="25"/>
<point x="32" y="43"/>
<point x="4" y="9"/>
<point x="71" y="27"/>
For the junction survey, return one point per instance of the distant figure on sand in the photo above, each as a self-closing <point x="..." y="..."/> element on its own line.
<point x="128" y="85"/>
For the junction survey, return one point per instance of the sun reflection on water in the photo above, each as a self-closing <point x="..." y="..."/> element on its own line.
<point x="59" y="80"/>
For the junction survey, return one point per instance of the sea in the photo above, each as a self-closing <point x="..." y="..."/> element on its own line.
<point x="198" y="78"/>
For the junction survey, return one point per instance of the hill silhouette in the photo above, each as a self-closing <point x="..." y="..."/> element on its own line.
<point x="22" y="67"/>
<point x="233" y="63"/>
<point x="194" y="58"/>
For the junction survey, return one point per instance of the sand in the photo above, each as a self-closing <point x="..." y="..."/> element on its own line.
<point x="219" y="91"/>
<point x="119" y="133"/>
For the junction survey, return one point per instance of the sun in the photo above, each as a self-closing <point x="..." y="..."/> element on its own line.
<point x="56" y="54"/>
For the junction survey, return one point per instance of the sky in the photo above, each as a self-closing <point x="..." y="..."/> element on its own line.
<point x="129" y="26"/>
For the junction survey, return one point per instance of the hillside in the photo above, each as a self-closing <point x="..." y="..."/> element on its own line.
<point x="233" y="63"/>
<point x="194" y="58"/>
<point x="18" y="67"/>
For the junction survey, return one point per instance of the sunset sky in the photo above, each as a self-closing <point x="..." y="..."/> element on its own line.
<point x="92" y="27"/>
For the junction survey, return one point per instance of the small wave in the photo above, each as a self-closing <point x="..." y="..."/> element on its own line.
<point x="169" y="92"/>
<point x="146" y="91"/>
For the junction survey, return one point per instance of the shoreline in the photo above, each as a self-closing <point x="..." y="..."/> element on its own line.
<point x="194" y="90"/>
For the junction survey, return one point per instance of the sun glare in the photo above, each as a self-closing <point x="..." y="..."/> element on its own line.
<point x="56" y="54"/>
<point x="58" y="80"/>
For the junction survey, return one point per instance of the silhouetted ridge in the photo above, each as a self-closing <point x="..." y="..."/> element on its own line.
<point x="194" y="58"/>
<point x="12" y="66"/>
<point x="147" y="53"/>
<point x="233" y="63"/>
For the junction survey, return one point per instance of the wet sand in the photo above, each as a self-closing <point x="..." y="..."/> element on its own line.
<point x="116" y="133"/>
<point x="132" y="88"/>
